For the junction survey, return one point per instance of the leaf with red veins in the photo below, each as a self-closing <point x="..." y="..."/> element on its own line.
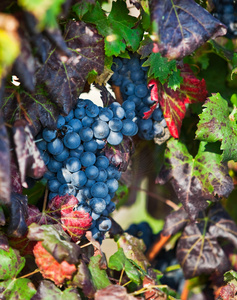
<point x="192" y="90"/>
<point x="154" y="97"/>
<point x="28" y="156"/>
<point x="50" y="268"/>
<point x="76" y="224"/>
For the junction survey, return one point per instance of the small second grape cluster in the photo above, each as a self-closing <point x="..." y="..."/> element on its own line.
<point x="131" y="77"/>
<point x="76" y="162"/>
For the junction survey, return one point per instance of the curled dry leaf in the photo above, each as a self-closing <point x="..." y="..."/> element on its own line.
<point x="182" y="26"/>
<point x="28" y="156"/>
<point x="50" y="268"/>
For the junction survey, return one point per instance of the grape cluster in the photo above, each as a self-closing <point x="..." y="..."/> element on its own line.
<point x="131" y="77"/>
<point x="226" y="12"/>
<point x="76" y="162"/>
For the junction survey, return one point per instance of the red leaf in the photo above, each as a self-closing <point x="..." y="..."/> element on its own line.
<point x="76" y="224"/>
<point x="172" y="102"/>
<point x="50" y="268"/>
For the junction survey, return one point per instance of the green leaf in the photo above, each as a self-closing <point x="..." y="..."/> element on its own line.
<point x="118" y="28"/>
<point x="175" y="80"/>
<point x="45" y="11"/>
<point x="81" y="8"/>
<point x="20" y="289"/>
<point x="47" y="290"/>
<point x="11" y="263"/>
<point x="134" y="249"/>
<point x="217" y="124"/>
<point x="118" y="261"/>
<point x="160" y="67"/>
<point x="195" y="179"/>
<point x="231" y="276"/>
<point x="99" y="276"/>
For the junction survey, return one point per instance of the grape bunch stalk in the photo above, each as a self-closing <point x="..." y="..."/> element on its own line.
<point x="131" y="77"/>
<point x="74" y="156"/>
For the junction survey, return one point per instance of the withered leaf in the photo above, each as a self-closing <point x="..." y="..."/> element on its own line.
<point x="18" y="213"/>
<point x="113" y="292"/>
<point x="28" y="156"/>
<point x="175" y="222"/>
<point x="5" y="180"/>
<point x="195" y="179"/>
<point x="182" y="26"/>
<point x="198" y="249"/>
<point x="65" y="77"/>
<point x="120" y="155"/>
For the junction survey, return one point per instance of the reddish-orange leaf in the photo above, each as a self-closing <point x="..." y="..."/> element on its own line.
<point x="50" y="268"/>
<point x="172" y="102"/>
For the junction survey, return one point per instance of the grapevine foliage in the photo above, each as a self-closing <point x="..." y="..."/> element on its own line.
<point x="171" y="64"/>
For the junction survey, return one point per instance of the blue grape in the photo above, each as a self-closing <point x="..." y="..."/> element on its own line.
<point x="54" y="165"/>
<point x="73" y="164"/>
<point x="107" y="199"/>
<point x="97" y="205"/>
<point x="117" y="64"/>
<point x="92" y="172"/>
<point x="100" y="129"/>
<point x="113" y="172"/>
<point x="115" y="138"/>
<point x="134" y="64"/>
<point x="102" y="176"/>
<point x="88" y="159"/>
<point x="72" y="140"/>
<point x="157" y="115"/>
<point x="86" y="193"/>
<point x="99" y="190"/>
<point x="80" y="112"/>
<point x="69" y="116"/>
<point x="102" y="162"/>
<point x="87" y="121"/>
<point x="62" y="156"/>
<point x="141" y="90"/>
<point x="105" y="213"/>
<point x="94" y="217"/>
<point x="61" y="121"/>
<point x="66" y="129"/>
<point x="137" y="76"/>
<point x="110" y="207"/>
<point x="119" y="112"/>
<point x="64" y="176"/>
<point x="112" y="185"/>
<point x="53" y="185"/>
<point x="90" y="146"/>
<point x="42" y="145"/>
<point x="49" y="135"/>
<point x="105" y="114"/>
<point x="129" y="127"/>
<point x="130" y="114"/>
<point x="90" y="182"/>
<point x="55" y="147"/>
<point x="104" y="224"/>
<point x="115" y="124"/>
<point x="128" y="88"/>
<point x="135" y="99"/>
<point x="49" y="175"/>
<point x="81" y="103"/>
<point x="77" y="152"/>
<point x="75" y="124"/>
<point x="86" y="134"/>
<point x="78" y="179"/>
<point x="92" y="110"/>
<point x="67" y="189"/>
<point x="129" y="105"/>
<point x="100" y="144"/>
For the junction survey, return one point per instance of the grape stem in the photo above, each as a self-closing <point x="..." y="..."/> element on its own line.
<point x="160" y="198"/>
<point x="32" y="273"/>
